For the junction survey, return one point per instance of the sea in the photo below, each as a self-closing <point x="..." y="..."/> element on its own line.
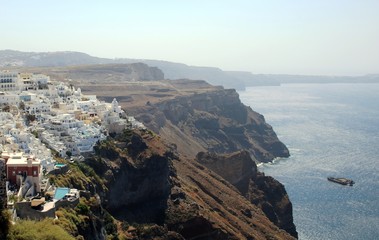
<point x="330" y="130"/>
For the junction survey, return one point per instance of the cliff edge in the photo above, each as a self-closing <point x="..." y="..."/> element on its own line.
<point x="161" y="188"/>
<point x="265" y="192"/>
<point x="171" y="196"/>
<point x="209" y="119"/>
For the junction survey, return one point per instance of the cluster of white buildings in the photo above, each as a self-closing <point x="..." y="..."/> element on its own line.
<point x="66" y="120"/>
<point x="39" y="117"/>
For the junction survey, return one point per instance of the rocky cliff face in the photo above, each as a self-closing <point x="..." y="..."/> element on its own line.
<point x="165" y="187"/>
<point x="136" y="175"/>
<point x="271" y="196"/>
<point x="237" y="168"/>
<point x="214" y="121"/>
<point x="171" y="196"/>
<point x="265" y="192"/>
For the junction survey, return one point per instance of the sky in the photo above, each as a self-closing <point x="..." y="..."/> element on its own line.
<point x="323" y="37"/>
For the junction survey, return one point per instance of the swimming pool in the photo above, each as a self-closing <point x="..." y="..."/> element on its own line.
<point x="60" y="165"/>
<point x="60" y="193"/>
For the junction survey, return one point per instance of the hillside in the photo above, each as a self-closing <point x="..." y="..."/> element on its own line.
<point x="196" y="117"/>
<point x="265" y="192"/>
<point x="171" y="70"/>
<point x="154" y="182"/>
<point x="193" y="114"/>
<point x="136" y="186"/>
<point x="99" y="74"/>
<point x="169" y="195"/>
<point x="11" y="58"/>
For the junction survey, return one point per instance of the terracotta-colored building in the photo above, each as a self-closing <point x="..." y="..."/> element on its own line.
<point x="21" y="167"/>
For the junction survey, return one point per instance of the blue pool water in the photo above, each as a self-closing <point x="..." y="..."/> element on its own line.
<point x="59" y="165"/>
<point x="330" y="130"/>
<point x="60" y="193"/>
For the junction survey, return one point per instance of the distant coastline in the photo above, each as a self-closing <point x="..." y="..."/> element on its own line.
<point x="278" y="79"/>
<point x="238" y="80"/>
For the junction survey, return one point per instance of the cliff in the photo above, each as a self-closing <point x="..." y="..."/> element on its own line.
<point x="150" y="183"/>
<point x="213" y="120"/>
<point x="171" y="196"/>
<point x="213" y="75"/>
<point x="265" y="192"/>
<point x="137" y="176"/>
<point x="160" y="189"/>
<point x="139" y="187"/>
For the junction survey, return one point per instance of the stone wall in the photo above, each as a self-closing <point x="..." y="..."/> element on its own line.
<point x="25" y="211"/>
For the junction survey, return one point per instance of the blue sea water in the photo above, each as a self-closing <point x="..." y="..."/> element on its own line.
<point x="330" y="130"/>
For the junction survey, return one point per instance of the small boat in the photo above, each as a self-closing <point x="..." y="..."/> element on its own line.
<point x="342" y="181"/>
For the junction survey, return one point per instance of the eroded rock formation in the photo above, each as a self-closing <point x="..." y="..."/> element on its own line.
<point x="263" y="191"/>
<point x="214" y="121"/>
<point x="153" y="185"/>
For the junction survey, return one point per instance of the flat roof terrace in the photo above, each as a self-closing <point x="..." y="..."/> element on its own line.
<point x="16" y="159"/>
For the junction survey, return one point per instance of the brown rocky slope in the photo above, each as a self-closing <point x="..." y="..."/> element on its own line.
<point x="148" y="183"/>
<point x="199" y="117"/>
<point x="212" y="119"/>
<point x="263" y="191"/>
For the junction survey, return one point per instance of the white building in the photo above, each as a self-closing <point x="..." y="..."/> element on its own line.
<point x="85" y="138"/>
<point x="67" y="120"/>
<point x="30" y="81"/>
<point x="64" y="90"/>
<point x="9" y="98"/>
<point x="54" y="142"/>
<point x="38" y="107"/>
<point x="9" y="81"/>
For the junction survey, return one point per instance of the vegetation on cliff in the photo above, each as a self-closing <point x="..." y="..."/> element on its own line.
<point x="150" y="184"/>
<point x="5" y="223"/>
<point x="139" y="187"/>
<point x="41" y="230"/>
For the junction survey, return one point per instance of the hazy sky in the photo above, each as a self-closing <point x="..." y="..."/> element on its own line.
<point x="332" y="37"/>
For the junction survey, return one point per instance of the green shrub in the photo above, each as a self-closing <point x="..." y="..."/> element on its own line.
<point x="41" y="230"/>
<point x="4" y="223"/>
<point x="72" y="221"/>
<point x="82" y="208"/>
<point x="109" y="225"/>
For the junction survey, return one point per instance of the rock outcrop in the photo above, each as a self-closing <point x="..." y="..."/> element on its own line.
<point x="271" y="196"/>
<point x="237" y="168"/>
<point x="136" y="175"/>
<point x="214" y="121"/>
<point x="263" y="191"/>
<point x="171" y="196"/>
